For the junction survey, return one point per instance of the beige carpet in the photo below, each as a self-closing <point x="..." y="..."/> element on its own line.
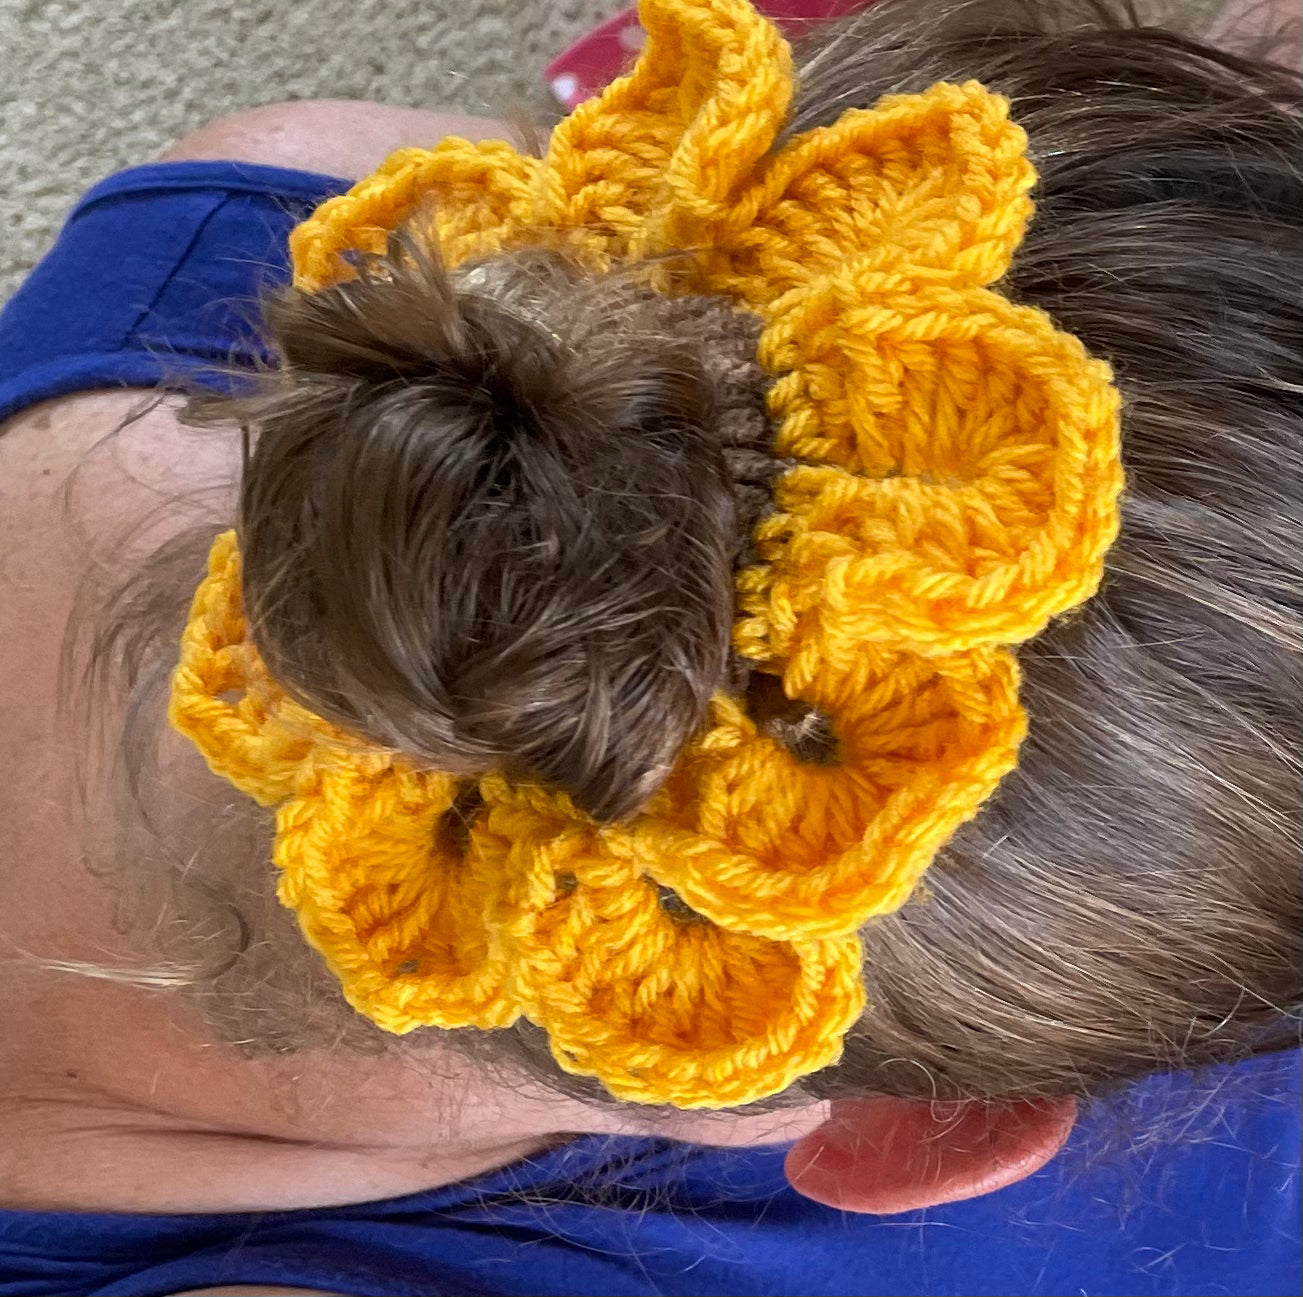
<point x="89" y="86"/>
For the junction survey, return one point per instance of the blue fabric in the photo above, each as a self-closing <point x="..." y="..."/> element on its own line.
<point x="155" y="277"/>
<point x="1209" y="1204"/>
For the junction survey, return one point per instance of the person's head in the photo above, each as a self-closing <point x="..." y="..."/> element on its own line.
<point x="492" y="517"/>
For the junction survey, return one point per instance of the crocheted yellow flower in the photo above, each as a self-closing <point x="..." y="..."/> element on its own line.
<point x="958" y="488"/>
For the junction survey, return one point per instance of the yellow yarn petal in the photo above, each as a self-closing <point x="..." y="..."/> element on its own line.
<point x="403" y="917"/>
<point x="980" y="491"/>
<point x="761" y="841"/>
<point x="641" y="167"/>
<point x="931" y="187"/>
<point x="477" y="193"/>
<point x="661" y="1007"/>
<point x="225" y="702"/>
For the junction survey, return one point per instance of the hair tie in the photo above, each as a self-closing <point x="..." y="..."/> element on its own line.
<point x="957" y="487"/>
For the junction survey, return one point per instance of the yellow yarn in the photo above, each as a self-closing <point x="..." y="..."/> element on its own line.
<point x="959" y="488"/>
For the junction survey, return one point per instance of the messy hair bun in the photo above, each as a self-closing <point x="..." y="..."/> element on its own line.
<point x="486" y="520"/>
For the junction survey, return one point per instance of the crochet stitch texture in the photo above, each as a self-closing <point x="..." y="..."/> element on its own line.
<point x="958" y="488"/>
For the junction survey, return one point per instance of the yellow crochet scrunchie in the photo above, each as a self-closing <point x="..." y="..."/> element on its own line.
<point x="958" y="488"/>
